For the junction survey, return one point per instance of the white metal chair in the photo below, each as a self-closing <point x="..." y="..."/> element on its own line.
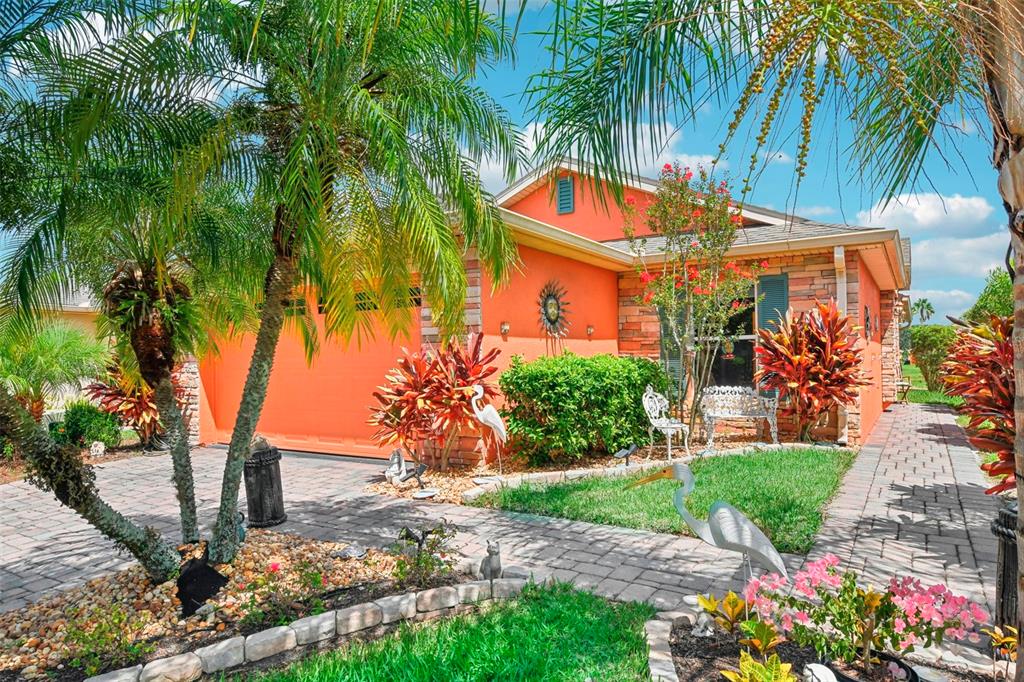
<point x="656" y="406"/>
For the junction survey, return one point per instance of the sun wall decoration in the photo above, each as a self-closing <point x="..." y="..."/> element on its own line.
<point x="553" y="314"/>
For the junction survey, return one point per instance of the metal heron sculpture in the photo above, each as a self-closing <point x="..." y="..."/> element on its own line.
<point x="489" y="417"/>
<point x="726" y="528"/>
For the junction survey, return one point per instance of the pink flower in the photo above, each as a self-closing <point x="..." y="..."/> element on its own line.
<point x="646" y="277"/>
<point x="764" y="264"/>
<point x="688" y="175"/>
<point x="802" y="617"/>
<point x="274" y="567"/>
<point x="667" y="168"/>
<point x="630" y="201"/>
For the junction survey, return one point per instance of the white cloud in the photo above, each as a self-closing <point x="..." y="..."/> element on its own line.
<point x="815" y="211"/>
<point x="933" y="214"/>
<point x="656" y="148"/>
<point x="946" y="302"/>
<point x="948" y="256"/>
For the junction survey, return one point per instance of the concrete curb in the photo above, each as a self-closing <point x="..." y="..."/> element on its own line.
<point x="553" y="477"/>
<point x="235" y="652"/>
<point x="659" y="652"/>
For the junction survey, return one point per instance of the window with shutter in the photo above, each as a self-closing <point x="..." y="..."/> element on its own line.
<point x="774" y="301"/>
<point x="671" y="358"/>
<point x="566" y="201"/>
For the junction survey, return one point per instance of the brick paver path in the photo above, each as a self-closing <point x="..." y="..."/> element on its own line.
<point x="913" y="501"/>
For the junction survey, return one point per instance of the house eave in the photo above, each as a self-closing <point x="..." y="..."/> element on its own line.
<point x="545" y="237"/>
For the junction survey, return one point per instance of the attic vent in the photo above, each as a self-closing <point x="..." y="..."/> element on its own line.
<point x="566" y="202"/>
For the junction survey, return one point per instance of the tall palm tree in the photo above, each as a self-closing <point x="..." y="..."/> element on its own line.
<point x="38" y="362"/>
<point x="368" y="126"/>
<point x="109" y="203"/>
<point x="905" y="73"/>
<point x="923" y="308"/>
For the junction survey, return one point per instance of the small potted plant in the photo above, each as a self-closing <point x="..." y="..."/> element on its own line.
<point x="861" y="633"/>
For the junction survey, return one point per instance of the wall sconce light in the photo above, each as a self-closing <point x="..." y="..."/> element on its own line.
<point x="590" y="330"/>
<point x="504" y="328"/>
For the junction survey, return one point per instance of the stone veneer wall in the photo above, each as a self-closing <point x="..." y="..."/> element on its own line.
<point x="469" y="450"/>
<point x="812" y="276"/>
<point x="891" y="311"/>
<point x="186" y="376"/>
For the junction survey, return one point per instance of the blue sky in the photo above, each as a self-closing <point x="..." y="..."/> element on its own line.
<point x="954" y="218"/>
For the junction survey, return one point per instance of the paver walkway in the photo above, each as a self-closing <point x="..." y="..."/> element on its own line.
<point x="912" y="502"/>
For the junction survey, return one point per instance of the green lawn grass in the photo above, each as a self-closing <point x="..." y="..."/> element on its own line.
<point x="549" y="634"/>
<point x="782" y="491"/>
<point x="919" y="392"/>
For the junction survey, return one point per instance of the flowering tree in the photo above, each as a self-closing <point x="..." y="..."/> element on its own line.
<point x="426" y="402"/>
<point x="696" y="289"/>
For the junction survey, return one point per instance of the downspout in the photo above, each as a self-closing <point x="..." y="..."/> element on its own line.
<point x="839" y="258"/>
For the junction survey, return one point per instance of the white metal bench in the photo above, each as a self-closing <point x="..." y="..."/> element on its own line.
<point x="656" y="407"/>
<point x="737" y="402"/>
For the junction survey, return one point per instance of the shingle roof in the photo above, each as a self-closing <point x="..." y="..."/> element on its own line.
<point x="764" y="234"/>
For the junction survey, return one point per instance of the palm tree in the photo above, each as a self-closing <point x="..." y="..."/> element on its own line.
<point x="38" y="363"/>
<point x="368" y="127"/>
<point x="905" y="73"/>
<point x="106" y="201"/>
<point x="922" y="307"/>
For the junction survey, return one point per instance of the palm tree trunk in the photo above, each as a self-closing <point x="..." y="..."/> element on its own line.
<point x="60" y="470"/>
<point x="181" y="457"/>
<point x="279" y="284"/>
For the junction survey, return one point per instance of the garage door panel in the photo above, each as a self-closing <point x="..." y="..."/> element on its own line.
<point x="321" y="407"/>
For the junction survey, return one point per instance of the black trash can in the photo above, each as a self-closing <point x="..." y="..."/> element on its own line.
<point x="264" y="493"/>
<point x="1005" y="529"/>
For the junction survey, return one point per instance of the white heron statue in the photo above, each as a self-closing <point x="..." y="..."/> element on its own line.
<point x="726" y="528"/>
<point x="489" y="417"/>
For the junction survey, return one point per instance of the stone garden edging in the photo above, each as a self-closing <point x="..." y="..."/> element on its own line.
<point x="551" y="477"/>
<point x="659" y="652"/>
<point x="237" y="651"/>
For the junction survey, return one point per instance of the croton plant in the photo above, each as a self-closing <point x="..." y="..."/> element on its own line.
<point x="426" y="398"/>
<point x="813" y="360"/>
<point x="979" y="369"/>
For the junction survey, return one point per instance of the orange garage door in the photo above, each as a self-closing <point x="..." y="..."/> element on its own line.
<point x="321" y="407"/>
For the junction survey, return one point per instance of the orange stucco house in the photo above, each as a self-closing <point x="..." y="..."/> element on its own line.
<point x="565" y="236"/>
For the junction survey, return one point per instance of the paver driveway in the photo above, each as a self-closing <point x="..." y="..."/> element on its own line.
<point x="913" y="502"/>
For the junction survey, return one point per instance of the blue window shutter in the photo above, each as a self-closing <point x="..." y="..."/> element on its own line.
<point x="771" y="308"/>
<point x="566" y="201"/>
<point x="671" y="357"/>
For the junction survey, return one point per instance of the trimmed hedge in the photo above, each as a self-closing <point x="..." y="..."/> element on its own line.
<point x="567" y="406"/>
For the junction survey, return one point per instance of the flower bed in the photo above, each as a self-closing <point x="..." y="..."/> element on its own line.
<point x="123" y="617"/>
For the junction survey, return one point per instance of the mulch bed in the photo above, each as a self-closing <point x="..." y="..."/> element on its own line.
<point x="34" y="639"/>
<point x="701" y="659"/>
<point x="458" y="479"/>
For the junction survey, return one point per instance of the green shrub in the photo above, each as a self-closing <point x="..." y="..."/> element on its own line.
<point x="929" y="345"/>
<point x="85" y="423"/>
<point x="995" y="299"/>
<point x="105" y="638"/>
<point x="567" y="406"/>
<point x="7" y="452"/>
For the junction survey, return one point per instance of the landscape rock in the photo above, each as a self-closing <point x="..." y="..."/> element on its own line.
<point x="397" y="607"/>
<point x="122" y="675"/>
<point x="515" y="572"/>
<point x="269" y="643"/>
<point x="358" y="618"/>
<point x="505" y="588"/>
<point x="471" y="593"/>
<point x="437" y="598"/>
<point x="315" y="628"/>
<point x="180" y="668"/>
<point x="222" y="655"/>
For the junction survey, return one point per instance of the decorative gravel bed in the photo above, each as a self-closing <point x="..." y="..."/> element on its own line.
<point x="275" y="576"/>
